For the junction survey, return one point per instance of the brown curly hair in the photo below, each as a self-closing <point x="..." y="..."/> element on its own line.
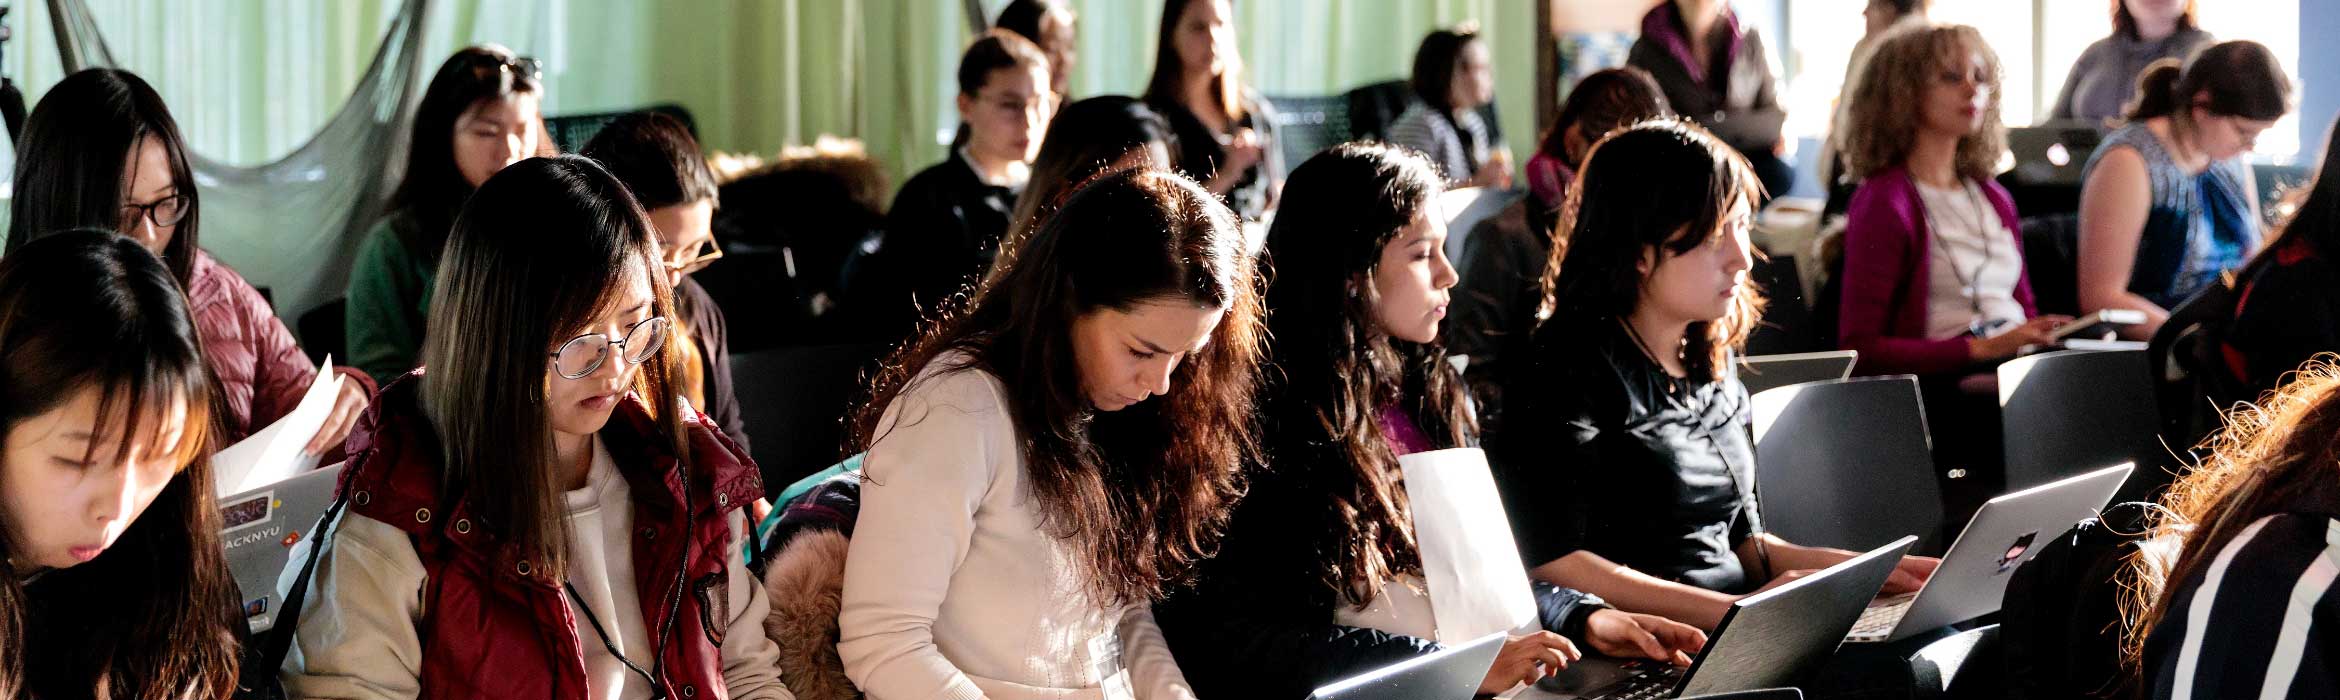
<point x="1883" y="121"/>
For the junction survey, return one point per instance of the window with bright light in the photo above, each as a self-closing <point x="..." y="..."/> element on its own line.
<point x="2037" y="41"/>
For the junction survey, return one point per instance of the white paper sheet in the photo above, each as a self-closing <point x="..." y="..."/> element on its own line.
<point x="1476" y="583"/>
<point x="274" y="453"/>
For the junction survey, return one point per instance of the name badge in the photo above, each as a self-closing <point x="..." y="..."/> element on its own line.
<point x="1105" y="661"/>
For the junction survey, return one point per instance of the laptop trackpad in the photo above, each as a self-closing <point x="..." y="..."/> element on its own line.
<point x="1585" y="676"/>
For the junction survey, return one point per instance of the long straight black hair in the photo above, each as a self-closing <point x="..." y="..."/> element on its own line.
<point x="76" y="146"/>
<point x="1333" y="370"/>
<point x="1142" y="493"/>
<point x="149" y="617"/>
<point x="433" y="189"/>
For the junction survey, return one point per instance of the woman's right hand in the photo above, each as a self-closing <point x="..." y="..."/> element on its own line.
<point x="2038" y="331"/>
<point x="1243" y="151"/>
<point x="1528" y="658"/>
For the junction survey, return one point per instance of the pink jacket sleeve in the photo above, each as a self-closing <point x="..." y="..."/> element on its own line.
<point x="281" y="373"/>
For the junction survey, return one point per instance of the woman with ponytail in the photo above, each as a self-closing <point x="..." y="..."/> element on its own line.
<point x="2166" y="204"/>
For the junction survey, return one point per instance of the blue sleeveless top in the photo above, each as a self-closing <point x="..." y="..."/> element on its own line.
<point x="2200" y="224"/>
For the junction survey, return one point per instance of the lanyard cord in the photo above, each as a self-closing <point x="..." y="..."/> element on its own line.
<point x="1971" y="282"/>
<point x="586" y="611"/>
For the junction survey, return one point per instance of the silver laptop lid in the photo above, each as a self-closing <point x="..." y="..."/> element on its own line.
<point x="1452" y="673"/>
<point x="261" y="526"/>
<point x="1780" y="637"/>
<point x="1762" y="372"/>
<point x="2006" y="532"/>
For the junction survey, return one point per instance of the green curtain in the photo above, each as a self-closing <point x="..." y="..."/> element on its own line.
<point x="250" y="80"/>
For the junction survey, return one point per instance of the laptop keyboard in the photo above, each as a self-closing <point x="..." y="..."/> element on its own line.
<point x="1880" y="618"/>
<point x="1649" y="681"/>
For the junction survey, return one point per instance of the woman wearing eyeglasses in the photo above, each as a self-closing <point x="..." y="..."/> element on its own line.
<point x="946" y="223"/>
<point x="102" y="151"/>
<point x="2168" y="204"/>
<point x="659" y="162"/>
<point x="480" y="113"/>
<point x="537" y="513"/>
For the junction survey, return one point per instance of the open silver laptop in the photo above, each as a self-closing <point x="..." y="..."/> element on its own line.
<point x="1773" y="639"/>
<point x="260" y="528"/>
<point x="2053" y="153"/>
<point x="1761" y="372"/>
<point x="1452" y="673"/>
<point x="2006" y="532"/>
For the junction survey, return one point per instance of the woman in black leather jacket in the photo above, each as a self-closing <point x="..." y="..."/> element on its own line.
<point x="1625" y="461"/>
<point x="1318" y="569"/>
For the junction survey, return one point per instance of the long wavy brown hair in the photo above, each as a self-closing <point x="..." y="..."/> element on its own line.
<point x="1334" y="370"/>
<point x="149" y="618"/>
<point x="1663" y="184"/>
<point x="1167" y="85"/>
<point x="2271" y="455"/>
<point x="1140" y="494"/>
<point x="1887" y="101"/>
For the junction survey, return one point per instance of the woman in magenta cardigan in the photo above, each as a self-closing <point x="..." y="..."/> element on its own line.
<point x="1933" y="257"/>
<point x="1933" y="260"/>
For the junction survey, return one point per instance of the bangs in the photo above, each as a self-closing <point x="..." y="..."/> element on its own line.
<point x="579" y="300"/>
<point x="1731" y="183"/>
<point x="135" y="413"/>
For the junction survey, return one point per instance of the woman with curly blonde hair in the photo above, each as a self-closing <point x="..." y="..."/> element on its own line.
<point x="2248" y="609"/>
<point x="1933" y="265"/>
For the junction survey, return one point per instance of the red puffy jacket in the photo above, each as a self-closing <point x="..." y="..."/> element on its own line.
<point x="261" y="371"/>
<point x="497" y="627"/>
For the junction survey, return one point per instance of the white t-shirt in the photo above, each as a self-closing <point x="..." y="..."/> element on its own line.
<point x="1968" y="245"/>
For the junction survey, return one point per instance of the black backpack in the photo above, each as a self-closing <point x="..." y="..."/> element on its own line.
<point x="2060" y="624"/>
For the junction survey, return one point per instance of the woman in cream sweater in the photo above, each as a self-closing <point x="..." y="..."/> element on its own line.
<point x="1025" y="500"/>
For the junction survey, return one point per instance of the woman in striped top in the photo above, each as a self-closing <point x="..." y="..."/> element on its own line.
<point x="2249" y="609"/>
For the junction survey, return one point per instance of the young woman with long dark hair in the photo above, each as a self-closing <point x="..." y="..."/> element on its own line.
<point x="481" y="112"/>
<point x="1453" y="79"/>
<point x="101" y="150"/>
<point x="1027" y="495"/>
<point x="1226" y="132"/>
<point x="945" y="226"/>
<point x="537" y="512"/>
<point x="116" y="584"/>
<point x="1321" y="577"/>
<point x="1625" y="457"/>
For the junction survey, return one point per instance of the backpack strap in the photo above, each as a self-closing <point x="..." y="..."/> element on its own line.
<point x="278" y="643"/>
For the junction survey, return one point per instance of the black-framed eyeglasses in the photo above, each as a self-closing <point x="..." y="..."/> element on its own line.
<point x="584" y="354"/>
<point x="168" y="211"/>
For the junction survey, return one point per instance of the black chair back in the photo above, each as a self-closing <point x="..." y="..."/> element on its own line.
<point x="795" y="401"/>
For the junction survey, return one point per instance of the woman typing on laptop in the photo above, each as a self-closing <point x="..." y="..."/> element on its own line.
<point x="1322" y="573"/>
<point x="1933" y="276"/>
<point x="1635" y="480"/>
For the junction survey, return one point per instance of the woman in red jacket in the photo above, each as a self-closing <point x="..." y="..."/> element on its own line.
<point x="101" y="150"/>
<point x="537" y="513"/>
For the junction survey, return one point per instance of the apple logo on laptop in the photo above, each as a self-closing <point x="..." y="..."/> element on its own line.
<point x="2014" y="554"/>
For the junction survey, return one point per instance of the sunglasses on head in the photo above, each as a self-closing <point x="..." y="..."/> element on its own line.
<point x="482" y="64"/>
